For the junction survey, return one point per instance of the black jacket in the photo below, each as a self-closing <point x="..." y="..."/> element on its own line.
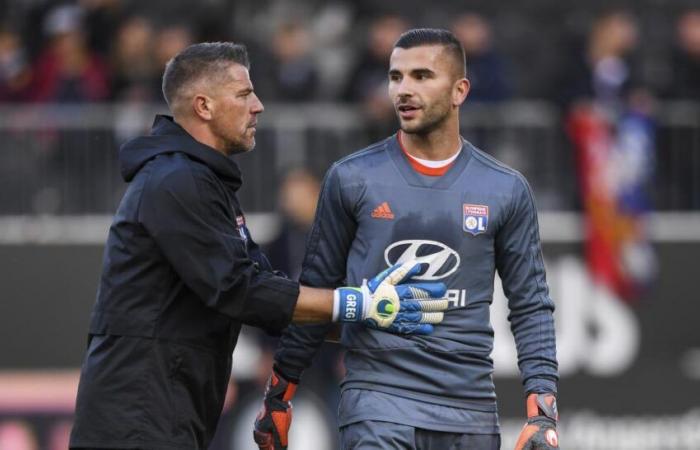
<point x="180" y="275"/>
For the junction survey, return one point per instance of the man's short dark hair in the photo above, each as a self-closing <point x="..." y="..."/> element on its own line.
<point x="210" y="59"/>
<point x="435" y="36"/>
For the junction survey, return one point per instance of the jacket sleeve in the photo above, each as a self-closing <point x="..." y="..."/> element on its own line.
<point x="521" y="268"/>
<point x="256" y="254"/>
<point x="187" y="214"/>
<point x="327" y="250"/>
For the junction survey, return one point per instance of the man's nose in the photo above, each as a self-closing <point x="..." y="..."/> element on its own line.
<point x="257" y="106"/>
<point x="405" y="89"/>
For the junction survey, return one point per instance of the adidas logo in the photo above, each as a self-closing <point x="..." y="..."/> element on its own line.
<point x="383" y="211"/>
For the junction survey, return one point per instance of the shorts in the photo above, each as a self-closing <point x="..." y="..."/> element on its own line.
<point x="378" y="435"/>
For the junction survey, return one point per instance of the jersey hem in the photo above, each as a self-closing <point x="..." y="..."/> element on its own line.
<point x="433" y="426"/>
<point x="483" y="406"/>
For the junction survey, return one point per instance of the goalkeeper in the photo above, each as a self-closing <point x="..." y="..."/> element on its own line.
<point x="181" y="273"/>
<point x="427" y="194"/>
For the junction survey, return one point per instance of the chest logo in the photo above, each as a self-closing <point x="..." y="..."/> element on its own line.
<point x="383" y="211"/>
<point x="440" y="259"/>
<point x="475" y="219"/>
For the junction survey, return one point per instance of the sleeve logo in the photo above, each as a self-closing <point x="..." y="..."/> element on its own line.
<point x="475" y="219"/>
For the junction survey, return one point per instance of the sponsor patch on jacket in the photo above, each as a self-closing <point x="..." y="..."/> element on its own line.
<point x="475" y="219"/>
<point x="242" y="230"/>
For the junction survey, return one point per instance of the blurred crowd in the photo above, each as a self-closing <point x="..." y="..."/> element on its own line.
<point x="115" y="50"/>
<point x="337" y="52"/>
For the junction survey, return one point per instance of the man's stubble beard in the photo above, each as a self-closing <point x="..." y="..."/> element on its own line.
<point x="433" y="119"/>
<point x="236" y="147"/>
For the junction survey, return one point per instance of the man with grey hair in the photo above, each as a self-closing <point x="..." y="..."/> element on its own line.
<point x="181" y="272"/>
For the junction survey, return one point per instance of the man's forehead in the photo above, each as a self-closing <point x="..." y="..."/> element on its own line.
<point x="228" y="77"/>
<point x="238" y="74"/>
<point x="428" y="56"/>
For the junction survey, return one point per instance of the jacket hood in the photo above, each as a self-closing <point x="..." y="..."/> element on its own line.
<point x="169" y="137"/>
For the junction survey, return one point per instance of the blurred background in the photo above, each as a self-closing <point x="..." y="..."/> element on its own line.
<point x="597" y="103"/>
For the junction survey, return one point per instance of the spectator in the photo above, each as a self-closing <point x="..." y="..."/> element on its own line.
<point x="67" y="71"/>
<point x="686" y="59"/>
<point x="613" y="133"/>
<point x="169" y="41"/>
<point x="15" y="73"/>
<point x="369" y="79"/>
<point x="297" y="204"/>
<point x="370" y="71"/>
<point x="603" y="69"/>
<point x="136" y="77"/>
<point x="297" y="200"/>
<point x="102" y="20"/>
<point x="290" y="73"/>
<point x="486" y="68"/>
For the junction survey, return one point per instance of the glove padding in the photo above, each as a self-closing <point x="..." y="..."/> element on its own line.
<point x="384" y="304"/>
<point x="275" y="417"/>
<point x="540" y="431"/>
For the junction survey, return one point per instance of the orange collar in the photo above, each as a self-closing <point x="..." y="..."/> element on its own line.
<point x="421" y="168"/>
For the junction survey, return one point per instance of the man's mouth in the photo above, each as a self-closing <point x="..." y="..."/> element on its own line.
<point x="407" y="107"/>
<point x="407" y="111"/>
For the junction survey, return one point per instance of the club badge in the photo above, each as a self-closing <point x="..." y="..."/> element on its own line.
<point x="475" y="219"/>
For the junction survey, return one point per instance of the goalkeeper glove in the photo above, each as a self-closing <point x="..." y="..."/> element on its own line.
<point x="384" y="304"/>
<point x="275" y="416"/>
<point x="540" y="431"/>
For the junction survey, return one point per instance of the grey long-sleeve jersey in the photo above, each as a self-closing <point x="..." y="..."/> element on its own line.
<point x="375" y="210"/>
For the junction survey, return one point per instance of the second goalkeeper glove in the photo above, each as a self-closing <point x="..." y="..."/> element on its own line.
<point x="540" y="431"/>
<point x="275" y="416"/>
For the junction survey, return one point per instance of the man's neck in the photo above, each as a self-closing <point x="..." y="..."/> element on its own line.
<point x="201" y="133"/>
<point x="437" y="145"/>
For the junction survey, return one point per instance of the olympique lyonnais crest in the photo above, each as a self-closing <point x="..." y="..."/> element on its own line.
<point x="476" y="218"/>
<point x="240" y="221"/>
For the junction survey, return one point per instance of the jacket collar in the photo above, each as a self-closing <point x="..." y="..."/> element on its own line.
<point x="167" y="136"/>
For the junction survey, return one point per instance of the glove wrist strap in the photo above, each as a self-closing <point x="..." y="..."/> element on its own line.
<point x="348" y="304"/>
<point x="280" y="387"/>
<point x="286" y="373"/>
<point x="542" y="405"/>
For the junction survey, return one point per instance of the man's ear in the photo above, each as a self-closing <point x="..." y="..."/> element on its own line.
<point x="203" y="105"/>
<point x="460" y="91"/>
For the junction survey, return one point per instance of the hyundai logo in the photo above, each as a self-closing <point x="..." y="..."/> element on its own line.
<point x="442" y="261"/>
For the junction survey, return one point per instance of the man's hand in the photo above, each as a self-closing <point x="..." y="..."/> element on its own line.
<point x="385" y="304"/>
<point x="275" y="416"/>
<point x="540" y="431"/>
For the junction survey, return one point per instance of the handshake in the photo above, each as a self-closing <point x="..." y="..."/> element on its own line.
<point x="391" y="302"/>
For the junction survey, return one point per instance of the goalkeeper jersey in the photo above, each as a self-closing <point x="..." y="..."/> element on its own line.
<point x="374" y="211"/>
